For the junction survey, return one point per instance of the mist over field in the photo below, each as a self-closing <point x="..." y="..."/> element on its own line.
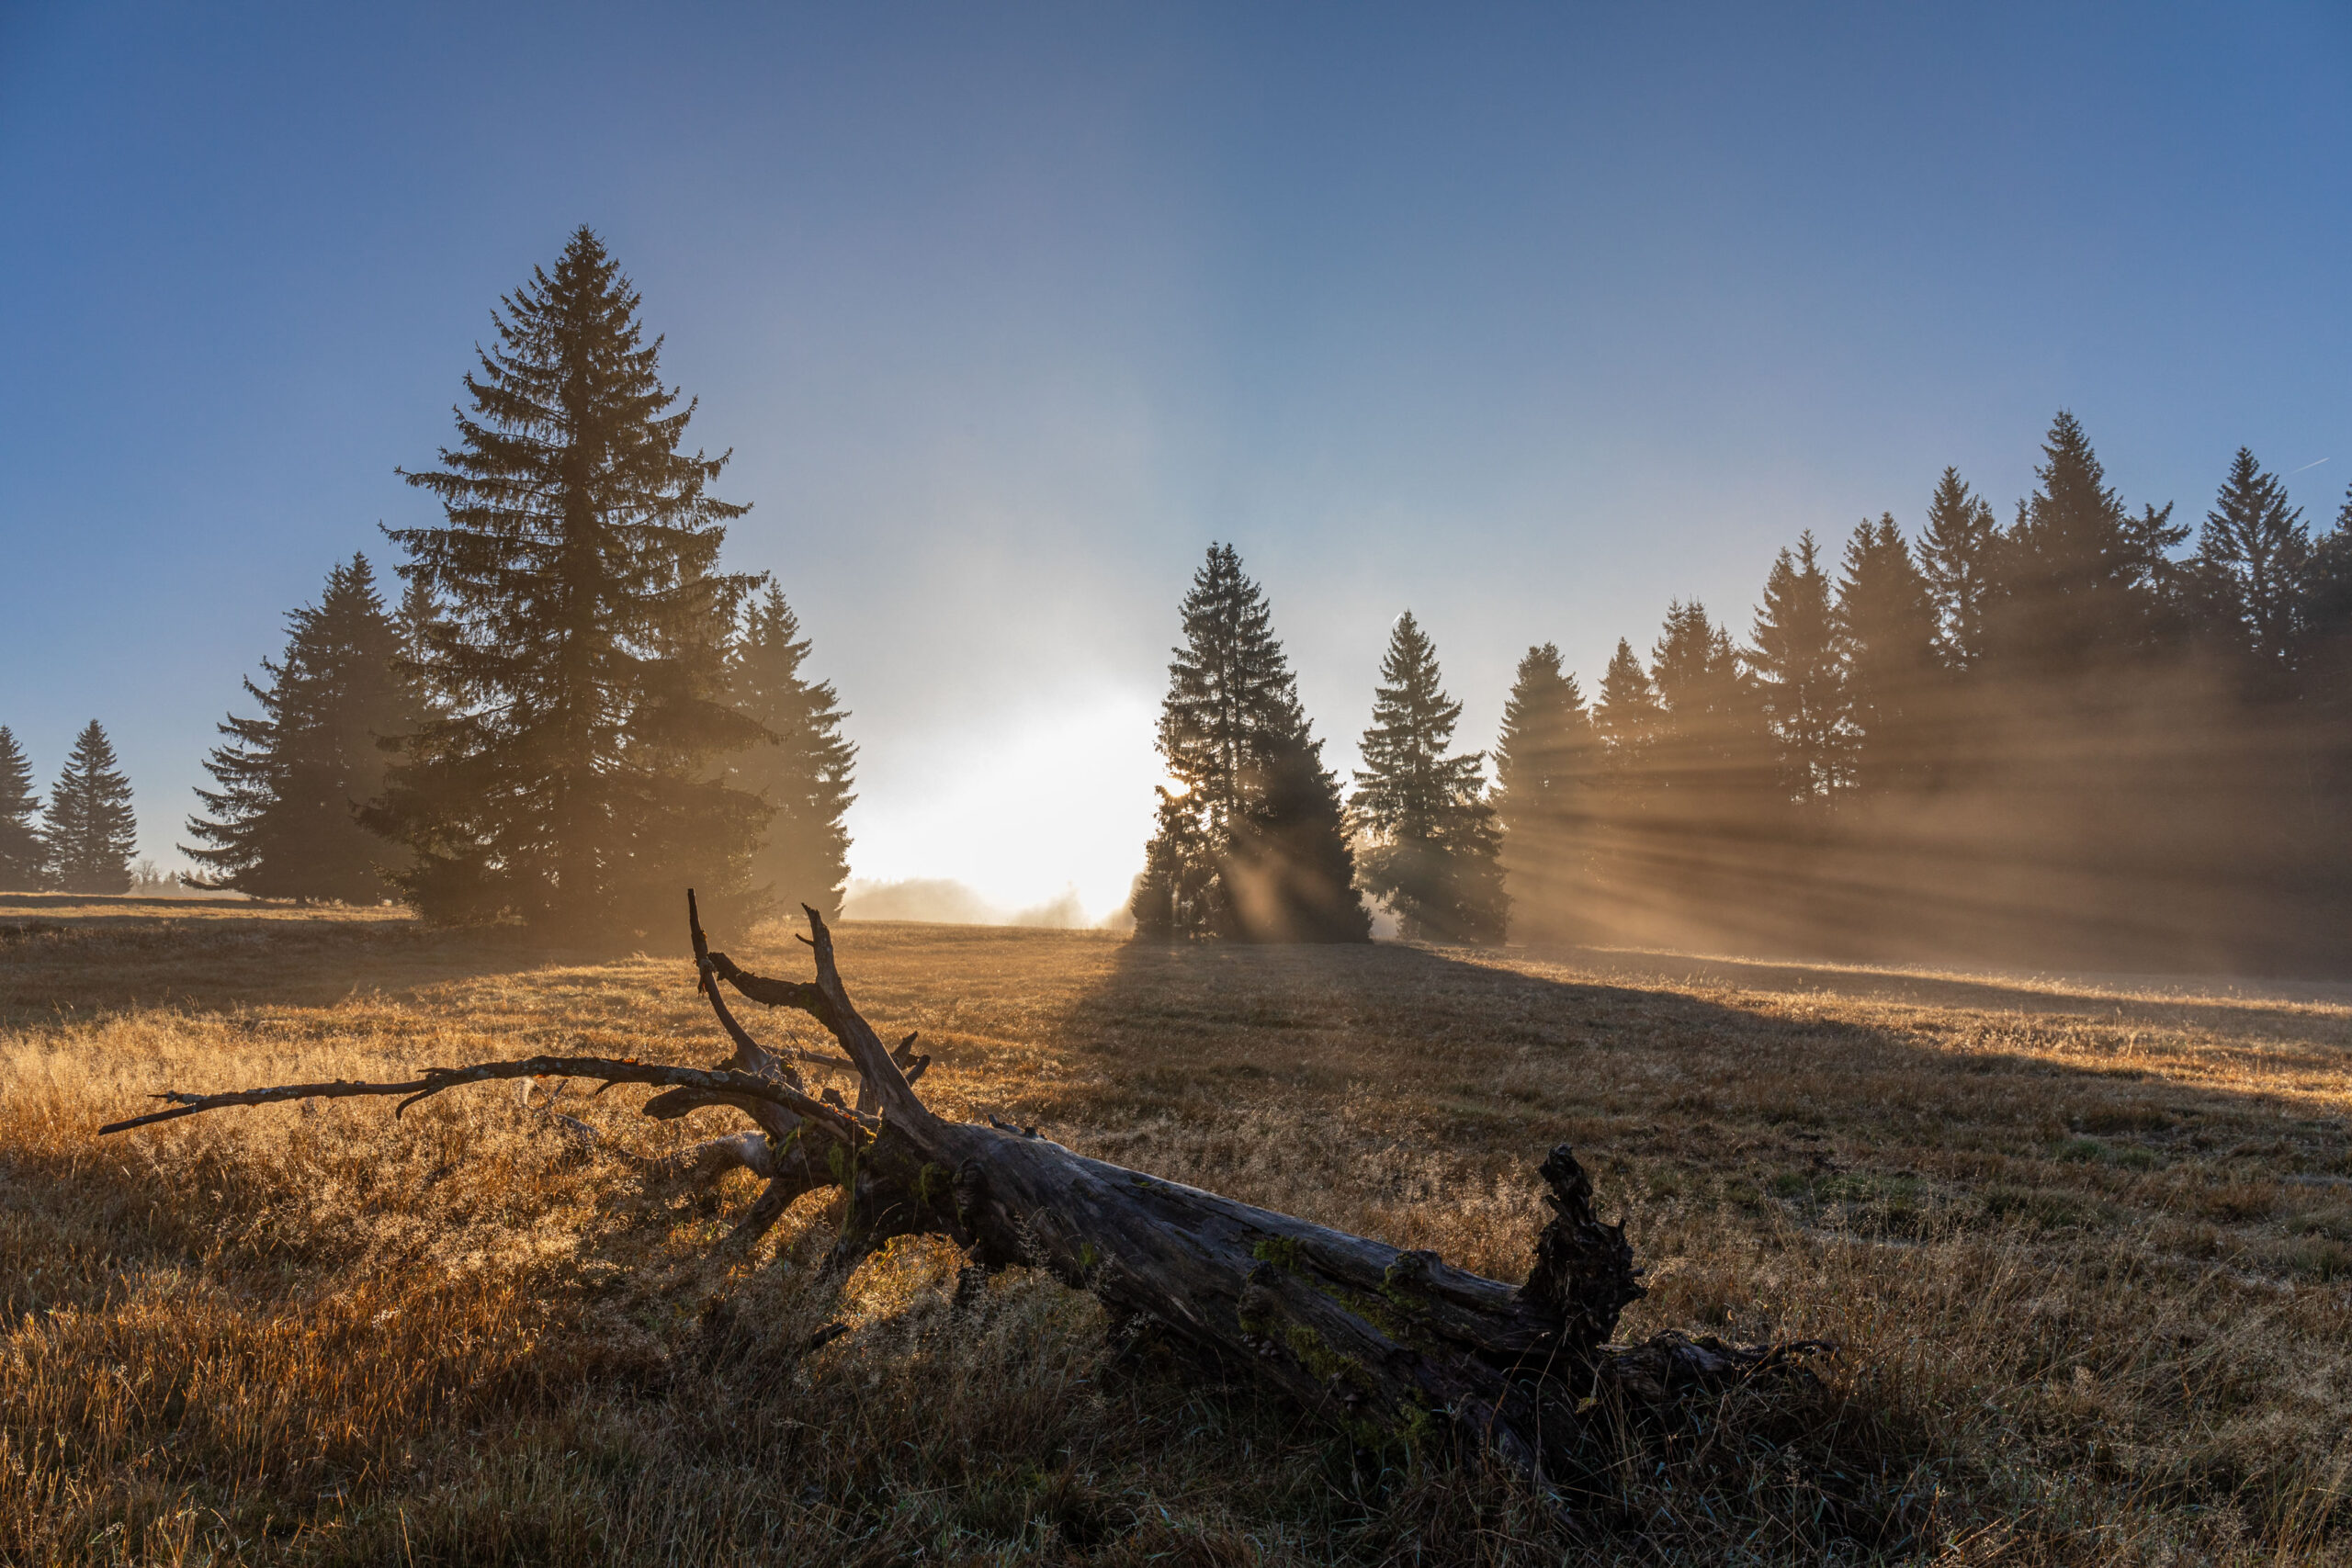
<point x="941" y="901"/>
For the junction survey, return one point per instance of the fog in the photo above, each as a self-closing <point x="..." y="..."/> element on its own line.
<point x="941" y="901"/>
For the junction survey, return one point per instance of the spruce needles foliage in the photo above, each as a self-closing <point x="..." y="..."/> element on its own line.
<point x="283" y="823"/>
<point x="1958" y="557"/>
<point x="1546" y="779"/>
<point x="1430" y="845"/>
<point x="1628" y="720"/>
<point x="90" y="831"/>
<point x="1885" y="636"/>
<point x="578" y="631"/>
<point x="24" y="863"/>
<point x="803" y="771"/>
<point x="1801" y="678"/>
<point x="2257" y="552"/>
<point x="1251" y="843"/>
<point x="2082" y="580"/>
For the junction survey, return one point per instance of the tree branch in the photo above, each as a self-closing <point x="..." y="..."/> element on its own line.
<point x="627" y="1070"/>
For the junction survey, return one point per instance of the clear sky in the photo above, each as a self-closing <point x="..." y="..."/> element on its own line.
<point x="1528" y="318"/>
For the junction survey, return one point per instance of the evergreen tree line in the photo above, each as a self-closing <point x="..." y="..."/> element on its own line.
<point x="1254" y="841"/>
<point x="2067" y="738"/>
<point x="572" y="712"/>
<point x="82" y="841"/>
<point x="2064" y="738"/>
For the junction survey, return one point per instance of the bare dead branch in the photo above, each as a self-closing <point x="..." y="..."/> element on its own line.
<point x="719" y="1080"/>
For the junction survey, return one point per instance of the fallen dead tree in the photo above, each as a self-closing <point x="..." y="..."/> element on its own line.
<point x="1390" y="1344"/>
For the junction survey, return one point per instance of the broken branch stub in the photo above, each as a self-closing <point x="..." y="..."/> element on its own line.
<point x="1389" y="1343"/>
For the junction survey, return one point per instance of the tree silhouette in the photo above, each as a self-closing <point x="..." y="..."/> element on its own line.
<point x="1250" y="843"/>
<point x="1800" y="679"/>
<point x="578" y="634"/>
<point x="90" y="831"/>
<point x="2258" y="552"/>
<point x="1431" y="847"/>
<point x="1958" y="557"/>
<point x="1886" y="627"/>
<point x="1711" y="756"/>
<point x="1547" y="766"/>
<point x="1628" y="720"/>
<point x="2323" y="679"/>
<point x="804" y="772"/>
<point x="1287" y="871"/>
<point x="2081" y="577"/>
<point x="283" y="822"/>
<point x="24" y="863"/>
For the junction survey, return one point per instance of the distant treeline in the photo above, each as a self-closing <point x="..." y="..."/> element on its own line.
<point x="2067" y="740"/>
<point x="82" y="840"/>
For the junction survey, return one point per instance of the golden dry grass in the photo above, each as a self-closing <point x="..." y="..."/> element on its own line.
<point x="2088" y="1246"/>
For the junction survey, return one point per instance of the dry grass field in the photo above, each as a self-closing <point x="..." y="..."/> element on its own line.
<point x="2087" y="1249"/>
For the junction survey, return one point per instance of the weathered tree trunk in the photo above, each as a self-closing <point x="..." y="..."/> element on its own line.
<point x="1389" y="1342"/>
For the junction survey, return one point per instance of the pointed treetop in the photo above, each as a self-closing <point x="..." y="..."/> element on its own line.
<point x="1956" y="556"/>
<point x="90" y="831"/>
<point x="1408" y="780"/>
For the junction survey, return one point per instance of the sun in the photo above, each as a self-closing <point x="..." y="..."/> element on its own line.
<point x="1054" y="798"/>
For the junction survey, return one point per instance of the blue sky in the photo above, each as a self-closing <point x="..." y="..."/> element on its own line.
<point x="1530" y="318"/>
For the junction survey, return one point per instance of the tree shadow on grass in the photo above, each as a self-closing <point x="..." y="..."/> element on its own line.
<point x="2123" y="1204"/>
<point x="1472" y="1060"/>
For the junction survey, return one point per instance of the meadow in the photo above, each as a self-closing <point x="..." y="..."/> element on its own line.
<point x="2085" y="1244"/>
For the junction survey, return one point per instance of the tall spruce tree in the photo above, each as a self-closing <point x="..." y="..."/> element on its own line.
<point x="24" y="864"/>
<point x="1251" y="843"/>
<point x="1712" y="760"/>
<point x="283" y="823"/>
<point x="90" y="832"/>
<point x="1432" y="849"/>
<point x="1885" y="629"/>
<point x="578" y="635"/>
<point x="2254" y="547"/>
<point x="1958" y="556"/>
<point x="2082" y="579"/>
<point x="1628" y="720"/>
<point x="1800" y="679"/>
<point x="1547" y="764"/>
<point x="804" y="770"/>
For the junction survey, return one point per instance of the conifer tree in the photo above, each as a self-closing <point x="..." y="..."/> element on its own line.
<point x="1251" y="844"/>
<point x="1958" y="558"/>
<point x="1628" y="720"/>
<point x="804" y="772"/>
<point x="23" y="862"/>
<point x="283" y="823"/>
<point x="1885" y="628"/>
<point x="2323" y="673"/>
<point x="1179" y="891"/>
<point x="1547" y="763"/>
<point x="2257" y="549"/>
<point x="90" y="831"/>
<point x="1431" y="847"/>
<point x="2082" y="579"/>
<point x="1800" y="677"/>
<point x="1288" y="871"/>
<point x="578" y="636"/>
<point x="1711" y="758"/>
